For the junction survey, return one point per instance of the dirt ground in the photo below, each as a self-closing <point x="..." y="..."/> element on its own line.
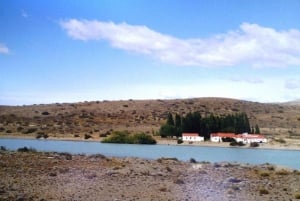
<point x="61" y="176"/>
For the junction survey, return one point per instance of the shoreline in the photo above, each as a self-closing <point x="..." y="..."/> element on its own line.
<point x="172" y="142"/>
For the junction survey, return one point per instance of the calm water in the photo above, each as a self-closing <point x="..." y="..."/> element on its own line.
<point x="213" y="154"/>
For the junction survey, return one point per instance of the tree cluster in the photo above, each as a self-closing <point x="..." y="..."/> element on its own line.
<point x="195" y="123"/>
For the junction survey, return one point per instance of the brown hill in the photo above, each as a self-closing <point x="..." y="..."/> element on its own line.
<point x="101" y="117"/>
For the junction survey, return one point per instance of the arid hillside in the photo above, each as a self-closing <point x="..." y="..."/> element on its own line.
<point x="101" y="117"/>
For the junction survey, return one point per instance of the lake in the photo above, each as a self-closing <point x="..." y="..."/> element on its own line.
<point x="288" y="158"/>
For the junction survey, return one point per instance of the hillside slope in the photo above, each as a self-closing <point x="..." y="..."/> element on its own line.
<point x="102" y="117"/>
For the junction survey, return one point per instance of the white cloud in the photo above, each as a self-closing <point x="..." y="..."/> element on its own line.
<point x="3" y="49"/>
<point x="292" y="84"/>
<point x="251" y="44"/>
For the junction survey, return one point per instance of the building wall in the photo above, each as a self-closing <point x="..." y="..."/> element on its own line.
<point x="193" y="138"/>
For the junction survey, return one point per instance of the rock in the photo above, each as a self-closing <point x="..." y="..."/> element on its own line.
<point x="234" y="180"/>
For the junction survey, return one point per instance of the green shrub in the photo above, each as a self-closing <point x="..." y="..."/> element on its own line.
<point x="192" y="160"/>
<point x="123" y="137"/>
<point x="179" y="141"/>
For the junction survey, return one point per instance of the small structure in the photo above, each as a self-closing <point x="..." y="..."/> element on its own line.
<point x="248" y="138"/>
<point x="218" y="137"/>
<point x="192" y="137"/>
<point x="245" y="137"/>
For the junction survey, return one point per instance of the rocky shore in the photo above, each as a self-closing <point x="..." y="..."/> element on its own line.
<point x="31" y="175"/>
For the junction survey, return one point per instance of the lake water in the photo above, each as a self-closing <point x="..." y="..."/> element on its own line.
<point x="288" y="158"/>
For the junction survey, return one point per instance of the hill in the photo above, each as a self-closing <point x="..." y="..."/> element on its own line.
<point x="102" y="117"/>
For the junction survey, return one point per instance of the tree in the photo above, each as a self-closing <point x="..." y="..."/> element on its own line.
<point x="257" y="130"/>
<point x="178" y="125"/>
<point x="192" y="123"/>
<point x="167" y="130"/>
<point x="170" y="120"/>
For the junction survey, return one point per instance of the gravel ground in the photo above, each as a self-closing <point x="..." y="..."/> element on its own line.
<point x="61" y="176"/>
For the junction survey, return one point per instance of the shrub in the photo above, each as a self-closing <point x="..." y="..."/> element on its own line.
<point x="280" y="140"/>
<point x="254" y="144"/>
<point x="20" y="128"/>
<point x="25" y="149"/>
<point x="264" y="174"/>
<point x="192" y="160"/>
<point x="3" y="148"/>
<point x="123" y="137"/>
<point x="142" y="138"/>
<point x="45" y="113"/>
<point x="30" y="130"/>
<point x="234" y="143"/>
<point x="41" y="135"/>
<point x="282" y="172"/>
<point x="179" y="141"/>
<point x="263" y="191"/>
<point x="67" y="156"/>
<point x="87" y="136"/>
<point x="297" y="195"/>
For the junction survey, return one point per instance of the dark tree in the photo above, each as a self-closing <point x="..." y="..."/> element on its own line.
<point x="257" y="130"/>
<point x="170" y="120"/>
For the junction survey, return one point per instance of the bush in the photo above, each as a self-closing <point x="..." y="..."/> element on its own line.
<point x="179" y="141"/>
<point x="264" y="174"/>
<point x="235" y="143"/>
<point x="41" y="135"/>
<point x="142" y="138"/>
<point x="30" y="130"/>
<point x="254" y="144"/>
<point x="192" y="160"/>
<point x="3" y="148"/>
<point x="67" y="156"/>
<point x="297" y="195"/>
<point x="25" y="149"/>
<point x="263" y="191"/>
<point x="87" y="136"/>
<point x="123" y="137"/>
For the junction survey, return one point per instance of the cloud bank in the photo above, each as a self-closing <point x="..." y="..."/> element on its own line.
<point x="292" y="84"/>
<point x="250" y="44"/>
<point x="3" y="49"/>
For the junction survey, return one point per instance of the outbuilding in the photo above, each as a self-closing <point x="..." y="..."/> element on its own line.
<point x="192" y="137"/>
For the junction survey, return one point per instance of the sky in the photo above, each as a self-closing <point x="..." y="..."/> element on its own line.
<point x="56" y="51"/>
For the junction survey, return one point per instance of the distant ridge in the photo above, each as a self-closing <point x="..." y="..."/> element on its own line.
<point x="294" y="102"/>
<point x="101" y="117"/>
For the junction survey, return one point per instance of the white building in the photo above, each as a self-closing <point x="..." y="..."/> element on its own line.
<point x="248" y="138"/>
<point x="245" y="137"/>
<point x="192" y="137"/>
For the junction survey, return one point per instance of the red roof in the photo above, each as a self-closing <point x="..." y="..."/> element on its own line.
<point x="223" y="135"/>
<point x="251" y="136"/>
<point x="190" y="134"/>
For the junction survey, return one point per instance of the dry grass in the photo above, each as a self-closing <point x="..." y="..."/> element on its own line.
<point x="102" y="117"/>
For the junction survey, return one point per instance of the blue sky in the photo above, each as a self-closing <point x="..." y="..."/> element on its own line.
<point x="70" y="51"/>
